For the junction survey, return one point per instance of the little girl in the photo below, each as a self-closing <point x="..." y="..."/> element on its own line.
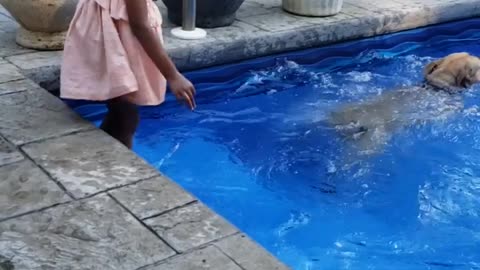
<point x="114" y="53"/>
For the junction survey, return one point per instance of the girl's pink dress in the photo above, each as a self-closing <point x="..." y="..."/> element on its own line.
<point x="103" y="59"/>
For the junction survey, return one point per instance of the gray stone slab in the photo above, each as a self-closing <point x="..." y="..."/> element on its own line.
<point x="392" y="16"/>
<point x="277" y="21"/>
<point x="8" y="153"/>
<point x="24" y="188"/>
<point x="18" y="86"/>
<point x="208" y="258"/>
<point x="7" y="25"/>
<point x="435" y="3"/>
<point x="4" y="17"/>
<point x="238" y="30"/>
<point x="268" y="3"/>
<point x="250" y="43"/>
<point x="41" y="67"/>
<point x="8" y="46"/>
<point x="404" y="15"/>
<point x="376" y="5"/>
<point x="235" y="43"/>
<point x="326" y="21"/>
<point x="399" y="15"/>
<point x="48" y="77"/>
<point x="89" y="162"/>
<point x="3" y="10"/>
<point x="448" y="10"/>
<point x="357" y="12"/>
<point x="394" y="22"/>
<point x="152" y="197"/>
<point x="9" y="72"/>
<point x="87" y="235"/>
<point x="252" y="8"/>
<point x="190" y="226"/>
<point x="277" y="42"/>
<point x="248" y="254"/>
<point x="35" y="115"/>
<point x="36" y="60"/>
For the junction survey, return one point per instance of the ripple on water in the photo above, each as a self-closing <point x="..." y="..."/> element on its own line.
<point x="259" y="151"/>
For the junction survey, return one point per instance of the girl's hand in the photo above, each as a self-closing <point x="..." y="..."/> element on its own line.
<point x="148" y="37"/>
<point x="183" y="90"/>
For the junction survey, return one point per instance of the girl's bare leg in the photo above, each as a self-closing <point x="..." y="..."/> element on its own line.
<point x="121" y="121"/>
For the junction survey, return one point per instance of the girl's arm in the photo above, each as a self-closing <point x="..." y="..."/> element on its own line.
<point x="138" y="18"/>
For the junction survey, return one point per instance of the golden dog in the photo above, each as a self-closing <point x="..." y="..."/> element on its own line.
<point x="370" y="124"/>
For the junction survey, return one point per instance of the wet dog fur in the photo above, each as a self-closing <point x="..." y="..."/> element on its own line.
<point x="369" y="125"/>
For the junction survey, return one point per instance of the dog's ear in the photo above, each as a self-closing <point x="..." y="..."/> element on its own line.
<point x="431" y="67"/>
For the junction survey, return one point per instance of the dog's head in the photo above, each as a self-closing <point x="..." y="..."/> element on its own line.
<point x="454" y="72"/>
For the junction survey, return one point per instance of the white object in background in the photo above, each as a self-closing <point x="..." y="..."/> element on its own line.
<point x="196" y="33"/>
<point x="314" y="8"/>
<point x="189" y="16"/>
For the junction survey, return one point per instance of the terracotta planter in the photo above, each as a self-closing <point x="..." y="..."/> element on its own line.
<point x="43" y="23"/>
<point x="210" y="13"/>
<point x="315" y="8"/>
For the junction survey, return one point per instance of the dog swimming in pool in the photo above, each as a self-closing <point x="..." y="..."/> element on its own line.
<point x="369" y="125"/>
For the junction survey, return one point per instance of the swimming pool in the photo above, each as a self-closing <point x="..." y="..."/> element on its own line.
<point x="256" y="151"/>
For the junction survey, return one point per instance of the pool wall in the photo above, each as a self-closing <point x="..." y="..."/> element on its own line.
<point x="92" y="180"/>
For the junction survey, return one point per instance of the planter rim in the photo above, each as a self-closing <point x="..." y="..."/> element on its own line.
<point x="48" y="16"/>
<point x="313" y="8"/>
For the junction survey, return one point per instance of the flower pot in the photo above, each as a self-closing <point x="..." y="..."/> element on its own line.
<point x="210" y="13"/>
<point x="315" y="8"/>
<point x="43" y="23"/>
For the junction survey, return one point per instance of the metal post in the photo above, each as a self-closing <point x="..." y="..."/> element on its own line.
<point x="189" y="17"/>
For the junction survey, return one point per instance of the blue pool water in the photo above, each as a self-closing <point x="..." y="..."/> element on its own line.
<point x="256" y="151"/>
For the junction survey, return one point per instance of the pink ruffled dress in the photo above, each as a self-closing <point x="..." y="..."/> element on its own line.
<point x="103" y="59"/>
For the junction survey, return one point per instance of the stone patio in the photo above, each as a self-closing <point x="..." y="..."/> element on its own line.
<point x="73" y="198"/>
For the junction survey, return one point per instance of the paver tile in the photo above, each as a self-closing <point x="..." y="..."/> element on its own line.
<point x="35" y="115"/>
<point x="248" y="254"/>
<point x="18" y="86"/>
<point x="24" y="188"/>
<point x="191" y="226"/>
<point x="36" y="60"/>
<point x="89" y="162"/>
<point x="96" y="234"/>
<point x="9" y="72"/>
<point x="152" y="197"/>
<point x="8" y="153"/>
<point x="8" y="46"/>
<point x="209" y="258"/>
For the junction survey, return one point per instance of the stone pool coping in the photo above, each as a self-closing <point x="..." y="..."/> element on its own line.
<point x="69" y="193"/>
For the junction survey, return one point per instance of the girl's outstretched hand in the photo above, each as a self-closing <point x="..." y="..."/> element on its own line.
<point x="183" y="90"/>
